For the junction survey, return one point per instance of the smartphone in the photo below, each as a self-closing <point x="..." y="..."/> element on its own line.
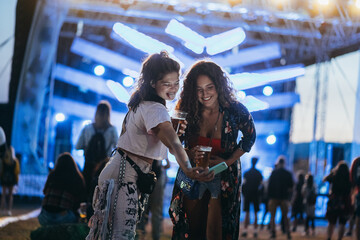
<point x="219" y="167"/>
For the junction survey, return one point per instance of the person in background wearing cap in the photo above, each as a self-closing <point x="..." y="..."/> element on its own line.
<point x="9" y="174"/>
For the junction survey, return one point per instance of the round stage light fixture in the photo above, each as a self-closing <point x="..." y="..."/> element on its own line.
<point x="128" y="81"/>
<point x="268" y="90"/>
<point x="99" y="70"/>
<point x="60" y="117"/>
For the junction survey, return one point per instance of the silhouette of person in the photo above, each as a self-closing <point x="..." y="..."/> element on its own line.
<point x="250" y="189"/>
<point x="280" y="187"/>
<point x="64" y="190"/>
<point x="297" y="205"/>
<point x="9" y="174"/>
<point x="102" y="125"/>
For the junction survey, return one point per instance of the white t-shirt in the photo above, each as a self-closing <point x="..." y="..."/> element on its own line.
<point x="138" y="137"/>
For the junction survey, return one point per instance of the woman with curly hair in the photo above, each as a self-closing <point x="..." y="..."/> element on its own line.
<point x="216" y="119"/>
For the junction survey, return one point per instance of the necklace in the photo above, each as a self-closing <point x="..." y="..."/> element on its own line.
<point x="215" y="129"/>
<point x="217" y="120"/>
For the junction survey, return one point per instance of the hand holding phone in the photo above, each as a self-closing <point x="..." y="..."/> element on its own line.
<point x="219" y="168"/>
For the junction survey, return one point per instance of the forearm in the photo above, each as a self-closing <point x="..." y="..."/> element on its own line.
<point x="234" y="156"/>
<point x="181" y="156"/>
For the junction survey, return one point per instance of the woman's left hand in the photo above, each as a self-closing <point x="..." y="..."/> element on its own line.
<point x="215" y="160"/>
<point x="182" y="128"/>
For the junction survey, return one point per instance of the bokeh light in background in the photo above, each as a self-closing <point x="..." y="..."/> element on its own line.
<point x="99" y="70"/>
<point x="271" y="139"/>
<point x="268" y="90"/>
<point x="60" y="117"/>
<point x="241" y="95"/>
<point x="128" y="81"/>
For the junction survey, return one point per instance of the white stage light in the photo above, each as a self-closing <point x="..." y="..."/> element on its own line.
<point x="192" y="40"/>
<point x="86" y="122"/>
<point x="60" y="117"/>
<point x="241" y="95"/>
<point x="268" y="90"/>
<point x="139" y="40"/>
<point x="254" y="104"/>
<point x="99" y="70"/>
<point x="51" y="165"/>
<point x="119" y="91"/>
<point x="323" y="2"/>
<point x="128" y="81"/>
<point x="243" y="81"/>
<point x="224" y="41"/>
<point x="271" y="139"/>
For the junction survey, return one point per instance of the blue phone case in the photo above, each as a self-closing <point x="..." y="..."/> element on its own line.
<point x="219" y="167"/>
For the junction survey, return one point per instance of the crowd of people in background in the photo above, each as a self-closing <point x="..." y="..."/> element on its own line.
<point x="300" y="196"/>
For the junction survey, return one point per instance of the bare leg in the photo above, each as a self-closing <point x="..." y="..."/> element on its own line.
<point x="330" y="230"/>
<point x="341" y="231"/>
<point x="247" y="219"/>
<point x="255" y="219"/>
<point x="357" y="228"/>
<point x="214" y="220"/>
<point x="3" y="198"/>
<point x="196" y="211"/>
<point x="10" y="198"/>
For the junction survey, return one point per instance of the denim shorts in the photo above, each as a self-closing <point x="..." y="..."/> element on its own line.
<point x="213" y="186"/>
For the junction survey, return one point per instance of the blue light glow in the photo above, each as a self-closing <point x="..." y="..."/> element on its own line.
<point x="86" y="122"/>
<point x="228" y="40"/>
<point x="51" y="165"/>
<point x="268" y="90"/>
<point x="241" y="95"/>
<point x="60" y="117"/>
<point x="99" y="70"/>
<point x="271" y="139"/>
<point x="192" y="40"/>
<point x="128" y="81"/>
<point x="140" y="41"/>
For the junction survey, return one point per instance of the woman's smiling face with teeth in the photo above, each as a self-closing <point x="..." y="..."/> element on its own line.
<point x="206" y="91"/>
<point x="167" y="87"/>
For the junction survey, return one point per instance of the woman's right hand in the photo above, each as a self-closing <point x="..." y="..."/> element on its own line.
<point x="199" y="174"/>
<point x="196" y="155"/>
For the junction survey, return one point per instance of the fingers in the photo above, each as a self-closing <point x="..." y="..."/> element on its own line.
<point x="202" y="175"/>
<point x="182" y="128"/>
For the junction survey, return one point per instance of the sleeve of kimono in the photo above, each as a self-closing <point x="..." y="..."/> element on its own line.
<point x="247" y="127"/>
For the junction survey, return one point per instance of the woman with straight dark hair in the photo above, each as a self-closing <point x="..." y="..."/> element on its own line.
<point x="339" y="204"/>
<point x="64" y="191"/>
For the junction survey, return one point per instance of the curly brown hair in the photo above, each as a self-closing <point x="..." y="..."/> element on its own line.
<point x="188" y="101"/>
<point x="154" y="68"/>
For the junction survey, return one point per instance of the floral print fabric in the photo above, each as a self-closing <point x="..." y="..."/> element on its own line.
<point x="236" y="118"/>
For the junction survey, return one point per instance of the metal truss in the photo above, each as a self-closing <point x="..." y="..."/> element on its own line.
<point x="303" y="38"/>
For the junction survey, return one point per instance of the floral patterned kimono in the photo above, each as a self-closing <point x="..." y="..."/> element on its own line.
<point x="236" y="118"/>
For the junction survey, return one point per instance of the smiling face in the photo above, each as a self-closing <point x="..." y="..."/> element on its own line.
<point x="206" y="92"/>
<point x="167" y="87"/>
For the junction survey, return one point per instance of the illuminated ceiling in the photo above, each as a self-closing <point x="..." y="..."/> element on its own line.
<point x="302" y="35"/>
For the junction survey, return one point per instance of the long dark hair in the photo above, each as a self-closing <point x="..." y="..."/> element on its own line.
<point x="65" y="174"/>
<point x="102" y="115"/>
<point x="154" y="68"/>
<point x="309" y="180"/>
<point x="341" y="183"/>
<point x="188" y="98"/>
